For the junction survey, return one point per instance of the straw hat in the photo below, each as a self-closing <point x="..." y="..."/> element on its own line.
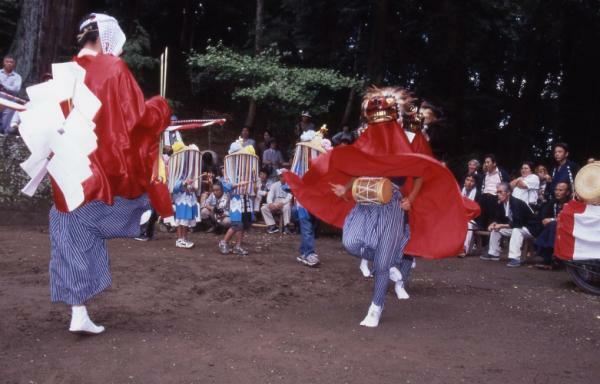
<point x="587" y="183"/>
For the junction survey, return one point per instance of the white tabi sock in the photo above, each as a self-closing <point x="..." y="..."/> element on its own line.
<point x="396" y="277"/>
<point x="81" y="322"/>
<point x="373" y="316"/>
<point x="395" y="274"/>
<point x="364" y="268"/>
<point x="400" y="291"/>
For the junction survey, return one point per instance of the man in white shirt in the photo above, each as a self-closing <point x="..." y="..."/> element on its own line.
<point x="488" y="198"/>
<point x="10" y="82"/>
<point x="279" y="199"/>
<point x="526" y="187"/>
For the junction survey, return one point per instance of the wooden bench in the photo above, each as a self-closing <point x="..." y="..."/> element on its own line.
<point x="476" y="247"/>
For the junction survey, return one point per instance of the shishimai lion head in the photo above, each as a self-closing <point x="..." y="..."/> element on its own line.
<point x="386" y="104"/>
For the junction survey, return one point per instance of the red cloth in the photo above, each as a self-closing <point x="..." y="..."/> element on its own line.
<point x="421" y="145"/>
<point x="439" y="215"/>
<point x="564" y="244"/>
<point x="128" y="130"/>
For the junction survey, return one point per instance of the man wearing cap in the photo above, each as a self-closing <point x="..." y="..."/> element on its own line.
<point x="305" y="124"/>
<point x="279" y="199"/>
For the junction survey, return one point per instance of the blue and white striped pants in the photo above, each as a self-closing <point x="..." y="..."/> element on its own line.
<point x="378" y="233"/>
<point x="79" y="264"/>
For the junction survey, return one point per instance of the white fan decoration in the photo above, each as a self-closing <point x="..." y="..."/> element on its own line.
<point x="60" y="145"/>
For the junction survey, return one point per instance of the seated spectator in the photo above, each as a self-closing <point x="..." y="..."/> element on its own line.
<point x="473" y="169"/>
<point x="510" y="217"/>
<point x="264" y="145"/>
<point x="215" y="209"/>
<point x="470" y="191"/>
<point x="208" y="179"/>
<point x="272" y="158"/>
<point x="279" y="199"/>
<point x="544" y="228"/>
<point x="564" y="171"/>
<point x="346" y="136"/>
<point x="488" y="200"/>
<point x="262" y="189"/>
<point x="526" y="187"/>
<point x="542" y="173"/>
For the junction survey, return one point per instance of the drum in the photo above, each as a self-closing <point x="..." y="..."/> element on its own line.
<point x="183" y="165"/>
<point x="239" y="168"/>
<point x="372" y="190"/>
<point x="587" y="183"/>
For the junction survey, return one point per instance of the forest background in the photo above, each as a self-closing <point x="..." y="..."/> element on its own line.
<point x="512" y="77"/>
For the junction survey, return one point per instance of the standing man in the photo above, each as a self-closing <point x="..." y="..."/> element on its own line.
<point x="564" y="171"/>
<point x="305" y="124"/>
<point x="10" y="82"/>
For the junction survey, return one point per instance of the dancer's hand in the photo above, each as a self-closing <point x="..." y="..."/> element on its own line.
<point x="338" y="189"/>
<point x="406" y="204"/>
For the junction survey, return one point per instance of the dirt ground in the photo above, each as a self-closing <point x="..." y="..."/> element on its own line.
<point x="196" y="316"/>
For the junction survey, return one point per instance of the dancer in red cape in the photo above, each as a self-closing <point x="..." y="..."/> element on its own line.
<point x="438" y="215"/>
<point x="118" y="192"/>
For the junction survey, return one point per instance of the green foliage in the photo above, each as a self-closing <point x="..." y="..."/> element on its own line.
<point x="265" y="79"/>
<point x="136" y="50"/>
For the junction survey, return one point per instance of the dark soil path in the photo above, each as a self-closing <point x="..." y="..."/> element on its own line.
<point x="195" y="316"/>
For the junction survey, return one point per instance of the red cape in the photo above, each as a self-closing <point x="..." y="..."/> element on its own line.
<point x="128" y="130"/>
<point x="439" y="215"/>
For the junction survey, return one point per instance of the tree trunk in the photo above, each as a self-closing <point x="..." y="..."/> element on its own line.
<point x="251" y="116"/>
<point x="258" y="34"/>
<point x="375" y="70"/>
<point x="45" y="34"/>
<point x="352" y="95"/>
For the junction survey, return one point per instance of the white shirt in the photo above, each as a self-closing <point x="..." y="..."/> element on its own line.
<point x="10" y="81"/>
<point x="507" y="210"/>
<point x="276" y="193"/>
<point x="529" y="194"/>
<point x="471" y="194"/>
<point x="492" y="179"/>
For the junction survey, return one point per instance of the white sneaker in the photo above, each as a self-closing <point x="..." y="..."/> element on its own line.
<point x="182" y="243"/>
<point x="373" y="316"/>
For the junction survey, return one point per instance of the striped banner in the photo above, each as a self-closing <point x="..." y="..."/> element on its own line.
<point x="184" y="125"/>
<point x="578" y="232"/>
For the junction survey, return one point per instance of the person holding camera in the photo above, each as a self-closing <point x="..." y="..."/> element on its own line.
<point x="215" y="209"/>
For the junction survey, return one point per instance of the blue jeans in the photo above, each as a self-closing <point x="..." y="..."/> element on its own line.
<point x="5" y="117"/>
<point x="307" y="234"/>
